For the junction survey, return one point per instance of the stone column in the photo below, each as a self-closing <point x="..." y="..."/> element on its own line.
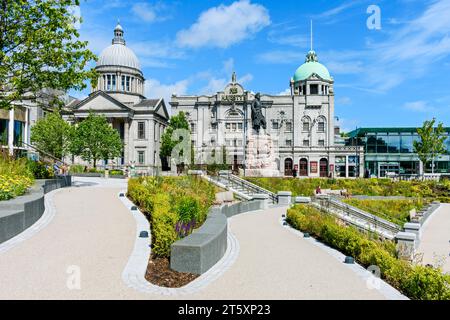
<point x="11" y="132"/>
<point x="406" y="244"/>
<point x="26" y="131"/>
<point x="263" y="198"/>
<point x="284" y="197"/>
<point x="126" y="146"/>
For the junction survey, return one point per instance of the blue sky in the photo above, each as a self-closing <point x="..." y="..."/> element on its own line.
<point x="398" y="75"/>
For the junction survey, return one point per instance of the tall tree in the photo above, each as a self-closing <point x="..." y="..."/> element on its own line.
<point x="178" y="121"/>
<point x="40" y="50"/>
<point x="431" y="143"/>
<point x="95" y="139"/>
<point x="52" y="135"/>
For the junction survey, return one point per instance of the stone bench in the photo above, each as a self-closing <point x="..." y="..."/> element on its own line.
<point x="20" y="213"/>
<point x="201" y="250"/>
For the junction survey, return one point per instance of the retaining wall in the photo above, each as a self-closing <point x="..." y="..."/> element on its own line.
<point x="198" y="252"/>
<point x="22" y="212"/>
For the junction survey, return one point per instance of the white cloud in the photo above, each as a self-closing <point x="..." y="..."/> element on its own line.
<point x="224" y="26"/>
<point x="155" y="89"/>
<point x="286" y="92"/>
<point x="347" y="125"/>
<point x="337" y="10"/>
<point x="149" y="12"/>
<point x="418" y="106"/>
<point x="281" y="57"/>
<point x="157" y="54"/>
<point x="288" y="34"/>
<point x="344" y="101"/>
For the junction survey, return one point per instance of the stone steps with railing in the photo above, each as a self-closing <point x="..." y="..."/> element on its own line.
<point x="357" y="217"/>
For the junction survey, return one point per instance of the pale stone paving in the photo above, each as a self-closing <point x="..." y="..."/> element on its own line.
<point x="92" y="235"/>
<point x="435" y="242"/>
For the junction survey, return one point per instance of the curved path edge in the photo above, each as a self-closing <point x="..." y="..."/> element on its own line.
<point x="373" y="282"/>
<point x="134" y="273"/>
<point x="44" y="220"/>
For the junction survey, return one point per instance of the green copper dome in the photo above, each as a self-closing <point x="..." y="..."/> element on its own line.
<point x="311" y="66"/>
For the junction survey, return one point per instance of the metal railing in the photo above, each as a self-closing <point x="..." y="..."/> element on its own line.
<point x="357" y="217"/>
<point x="55" y="159"/>
<point x="250" y="187"/>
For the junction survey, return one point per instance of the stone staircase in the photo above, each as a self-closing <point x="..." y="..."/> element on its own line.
<point x="243" y="189"/>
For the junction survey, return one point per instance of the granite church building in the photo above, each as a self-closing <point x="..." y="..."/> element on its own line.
<point x="119" y="96"/>
<point x="301" y="124"/>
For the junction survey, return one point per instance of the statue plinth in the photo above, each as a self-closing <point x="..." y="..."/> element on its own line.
<point x="261" y="156"/>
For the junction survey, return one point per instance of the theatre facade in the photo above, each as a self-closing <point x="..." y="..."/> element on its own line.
<point x="301" y="125"/>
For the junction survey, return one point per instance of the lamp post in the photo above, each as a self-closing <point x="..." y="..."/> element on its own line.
<point x="244" y="106"/>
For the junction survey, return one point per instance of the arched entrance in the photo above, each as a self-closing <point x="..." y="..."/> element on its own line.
<point x="323" y="168"/>
<point x="303" y="169"/>
<point x="288" y="167"/>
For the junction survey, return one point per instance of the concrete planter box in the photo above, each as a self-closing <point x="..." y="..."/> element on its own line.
<point x="22" y="212"/>
<point x="88" y="175"/>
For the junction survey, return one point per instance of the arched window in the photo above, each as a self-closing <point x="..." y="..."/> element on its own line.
<point x="288" y="167"/>
<point x="306" y="124"/>
<point x="321" y="124"/>
<point x="303" y="167"/>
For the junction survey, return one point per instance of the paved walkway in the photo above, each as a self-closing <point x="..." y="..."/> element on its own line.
<point x="435" y="242"/>
<point x="94" y="233"/>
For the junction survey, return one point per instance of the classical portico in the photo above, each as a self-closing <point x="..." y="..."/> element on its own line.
<point x="119" y="96"/>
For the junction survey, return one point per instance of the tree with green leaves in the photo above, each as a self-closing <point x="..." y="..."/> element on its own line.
<point x="95" y="139"/>
<point x="178" y="121"/>
<point x="40" y="51"/>
<point x="431" y="143"/>
<point x="52" y="135"/>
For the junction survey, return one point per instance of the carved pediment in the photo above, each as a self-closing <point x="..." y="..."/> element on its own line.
<point x="101" y="102"/>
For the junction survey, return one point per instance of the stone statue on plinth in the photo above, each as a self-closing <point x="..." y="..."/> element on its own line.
<point x="258" y="119"/>
<point x="261" y="153"/>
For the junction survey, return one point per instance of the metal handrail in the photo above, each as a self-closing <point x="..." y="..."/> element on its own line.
<point x="376" y="222"/>
<point x="246" y="184"/>
<point x="44" y="153"/>
<point x="365" y="215"/>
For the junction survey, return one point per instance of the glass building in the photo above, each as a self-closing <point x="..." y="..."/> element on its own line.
<point x="391" y="150"/>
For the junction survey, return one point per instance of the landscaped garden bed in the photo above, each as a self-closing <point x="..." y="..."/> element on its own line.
<point x="15" y="178"/>
<point x="415" y="281"/>
<point x="174" y="206"/>
<point x="370" y="187"/>
<point x="396" y="211"/>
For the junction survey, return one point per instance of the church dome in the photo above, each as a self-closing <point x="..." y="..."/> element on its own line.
<point x="118" y="54"/>
<point x="310" y="67"/>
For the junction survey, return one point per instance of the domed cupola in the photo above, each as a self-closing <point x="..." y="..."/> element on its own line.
<point x="312" y="67"/>
<point x="312" y="78"/>
<point x="119" y="68"/>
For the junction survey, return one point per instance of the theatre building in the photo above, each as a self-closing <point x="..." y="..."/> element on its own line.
<point x="301" y="124"/>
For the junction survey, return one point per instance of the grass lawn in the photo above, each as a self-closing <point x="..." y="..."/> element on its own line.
<point x="396" y="211"/>
<point x="370" y="187"/>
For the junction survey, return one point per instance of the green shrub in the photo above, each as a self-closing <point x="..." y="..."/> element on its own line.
<point x="76" y="168"/>
<point x="188" y="209"/>
<point x="172" y="204"/>
<point x="415" y="281"/>
<point x="40" y="170"/>
<point x="15" y="178"/>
